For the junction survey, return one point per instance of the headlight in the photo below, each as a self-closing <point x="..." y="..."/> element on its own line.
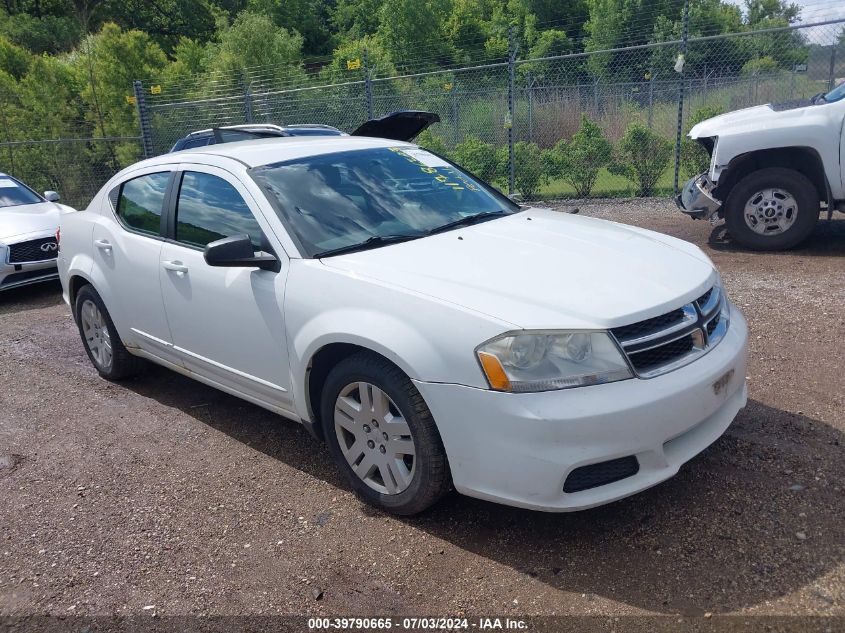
<point x="546" y="360"/>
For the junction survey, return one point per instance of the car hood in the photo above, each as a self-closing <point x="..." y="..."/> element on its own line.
<point x="761" y="118"/>
<point x="544" y="269"/>
<point x="25" y="219"/>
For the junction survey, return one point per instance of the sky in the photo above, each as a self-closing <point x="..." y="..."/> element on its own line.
<point x="814" y="10"/>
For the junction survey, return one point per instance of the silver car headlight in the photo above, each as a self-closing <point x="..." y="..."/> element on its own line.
<point x="543" y="360"/>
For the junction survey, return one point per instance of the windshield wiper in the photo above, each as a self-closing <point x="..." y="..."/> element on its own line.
<point x="372" y="242"/>
<point x="467" y="221"/>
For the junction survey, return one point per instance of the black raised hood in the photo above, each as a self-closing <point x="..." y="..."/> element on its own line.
<point x="403" y="125"/>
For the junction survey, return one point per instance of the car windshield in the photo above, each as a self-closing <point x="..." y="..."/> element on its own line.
<point x="370" y="197"/>
<point x="836" y="94"/>
<point x="14" y="194"/>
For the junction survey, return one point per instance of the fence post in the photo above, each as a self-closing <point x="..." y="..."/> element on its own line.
<point x="831" y="80"/>
<point x="596" y="96"/>
<point x="511" y="65"/>
<point x="368" y="86"/>
<point x="529" y="93"/>
<point x="650" y="99"/>
<point x="681" y="83"/>
<point x="455" y="113"/>
<point x="143" y="119"/>
<point x="248" y="118"/>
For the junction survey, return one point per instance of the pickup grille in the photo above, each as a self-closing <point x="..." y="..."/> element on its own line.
<point x="663" y="343"/>
<point x="39" y="250"/>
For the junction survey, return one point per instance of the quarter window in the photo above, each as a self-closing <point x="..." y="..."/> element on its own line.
<point x="209" y="209"/>
<point x="140" y="202"/>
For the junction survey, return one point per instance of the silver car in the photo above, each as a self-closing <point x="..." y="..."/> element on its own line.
<point x="28" y="226"/>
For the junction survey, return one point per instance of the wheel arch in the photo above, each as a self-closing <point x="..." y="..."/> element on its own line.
<point x="317" y="370"/>
<point x="75" y="282"/>
<point x="804" y="160"/>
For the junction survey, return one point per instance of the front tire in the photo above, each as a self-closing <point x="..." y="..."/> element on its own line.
<point x="383" y="436"/>
<point x="100" y="338"/>
<point x="772" y="209"/>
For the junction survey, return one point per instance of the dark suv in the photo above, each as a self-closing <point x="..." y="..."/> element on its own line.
<point x="232" y="133"/>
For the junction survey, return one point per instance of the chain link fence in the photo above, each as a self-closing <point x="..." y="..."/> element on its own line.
<point x="76" y="168"/>
<point x="600" y="123"/>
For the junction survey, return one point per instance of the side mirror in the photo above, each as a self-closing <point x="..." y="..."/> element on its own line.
<point x="238" y="252"/>
<point x="51" y="196"/>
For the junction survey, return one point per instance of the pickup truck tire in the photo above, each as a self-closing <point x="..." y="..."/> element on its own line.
<point x="102" y="343"/>
<point x="383" y="436"/>
<point x="772" y="209"/>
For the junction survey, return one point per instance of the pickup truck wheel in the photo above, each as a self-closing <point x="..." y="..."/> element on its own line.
<point x="383" y="436"/>
<point x="772" y="209"/>
<point x="100" y="338"/>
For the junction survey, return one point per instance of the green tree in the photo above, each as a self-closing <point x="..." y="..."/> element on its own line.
<point x="307" y="17"/>
<point x="49" y="34"/>
<point x="355" y="19"/>
<point x="110" y="61"/>
<point x="378" y="61"/>
<point x="13" y="59"/>
<point x="255" y="40"/>
<point x="642" y="157"/>
<point x="579" y="161"/>
<point x="411" y="31"/>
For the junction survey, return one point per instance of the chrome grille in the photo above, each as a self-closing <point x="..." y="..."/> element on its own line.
<point x="663" y="343"/>
<point x="39" y="250"/>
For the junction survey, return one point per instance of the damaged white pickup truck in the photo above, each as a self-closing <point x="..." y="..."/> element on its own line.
<point x="771" y="168"/>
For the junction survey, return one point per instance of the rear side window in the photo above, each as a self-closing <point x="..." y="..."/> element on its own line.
<point x="141" y="200"/>
<point x="209" y="209"/>
<point x="201" y="141"/>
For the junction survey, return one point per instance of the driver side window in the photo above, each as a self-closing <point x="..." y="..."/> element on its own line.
<point x="209" y="208"/>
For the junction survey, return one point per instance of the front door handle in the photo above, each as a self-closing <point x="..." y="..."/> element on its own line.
<point x="103" y="245"/>
<point x="176" y="266"/>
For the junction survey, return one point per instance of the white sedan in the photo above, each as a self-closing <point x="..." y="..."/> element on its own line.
<point x="28" y="242"/>
<point x="431" y="331"/>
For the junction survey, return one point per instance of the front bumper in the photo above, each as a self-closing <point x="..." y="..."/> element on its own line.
<point x="518" y="449"/>
<point x="696" y="199"/>
<point x="23" y="274"/>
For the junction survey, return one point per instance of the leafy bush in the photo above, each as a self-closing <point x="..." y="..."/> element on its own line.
<point x="478" y="157"/>
<point x="431" y="142"/>
<point x="642" y="157"/>
<point x="529" y="168"/>
<point x="765" y="64"/>
<point x="579" y="161"/>
<point x="694" y="158"/>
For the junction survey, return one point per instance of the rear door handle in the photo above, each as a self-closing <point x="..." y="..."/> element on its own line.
<point x="175" y="265"/>
<point x="103" y="245"/>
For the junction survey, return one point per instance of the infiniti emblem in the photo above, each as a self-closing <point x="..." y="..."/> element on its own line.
<point x="49" y="246"/>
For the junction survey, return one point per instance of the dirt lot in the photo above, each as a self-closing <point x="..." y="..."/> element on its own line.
<point x="164" y="492"/>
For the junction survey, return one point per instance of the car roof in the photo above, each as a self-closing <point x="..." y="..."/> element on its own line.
<point x="254" y="153"/>
<point x="246" y="127"/>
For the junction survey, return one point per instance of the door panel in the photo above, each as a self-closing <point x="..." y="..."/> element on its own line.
<point x="227" y="323"/>
<point x="126" y="266"/>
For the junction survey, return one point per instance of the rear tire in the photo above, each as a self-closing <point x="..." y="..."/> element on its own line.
<point x="772" y="209"/>
<point x="102" y="343"/>
<point x="383" y="436"/>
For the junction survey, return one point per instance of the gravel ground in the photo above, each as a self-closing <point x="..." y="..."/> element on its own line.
<point x="164" y="492"/>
